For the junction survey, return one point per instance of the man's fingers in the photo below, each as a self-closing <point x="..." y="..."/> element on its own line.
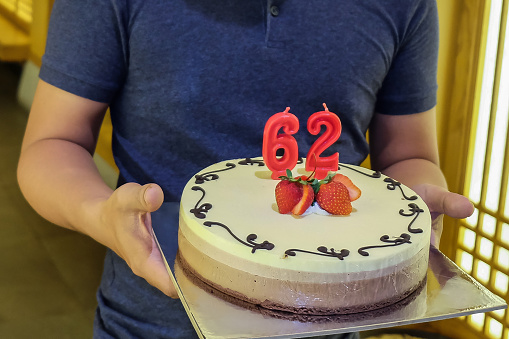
<point x="160" y="279"/>
<point x="458" y="206"/>
<point x="453" y="205"/>
<point x="437" y="227"/>
<point x="133" y="205"/>
<point x="153" y="197"/>
<point x="156" y="273"/>
<point x="146" y="198"/>
<point x="441" y="201"/>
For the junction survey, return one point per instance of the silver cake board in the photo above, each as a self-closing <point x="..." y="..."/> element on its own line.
<point x="448" y="292"/>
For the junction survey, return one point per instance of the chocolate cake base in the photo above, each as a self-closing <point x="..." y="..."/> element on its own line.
<point x="297" y="314"/>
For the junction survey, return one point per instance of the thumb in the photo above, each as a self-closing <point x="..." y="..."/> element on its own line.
<point x="153" y="197"/>
<point x="442" y="201"/>
<point x="146" y="198"/>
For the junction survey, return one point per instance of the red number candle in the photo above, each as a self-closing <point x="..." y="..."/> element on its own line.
<point x="273" y="141"/>
<point x="332" y="123"/>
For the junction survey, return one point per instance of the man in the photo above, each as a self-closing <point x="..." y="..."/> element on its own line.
<point x="192" y="82"/>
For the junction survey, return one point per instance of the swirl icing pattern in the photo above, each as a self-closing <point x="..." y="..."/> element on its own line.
<point x="200" y="211"/>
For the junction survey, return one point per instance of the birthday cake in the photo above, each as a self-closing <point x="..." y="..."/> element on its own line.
<point x="233" y="237"/>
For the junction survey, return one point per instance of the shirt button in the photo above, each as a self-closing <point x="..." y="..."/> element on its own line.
<point x="274" y="10"/>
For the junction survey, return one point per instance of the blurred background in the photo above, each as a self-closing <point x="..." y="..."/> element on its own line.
<point x="48" y="275"/>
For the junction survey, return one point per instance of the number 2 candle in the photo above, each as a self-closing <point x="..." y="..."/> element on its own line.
<point x="332" y="123"/>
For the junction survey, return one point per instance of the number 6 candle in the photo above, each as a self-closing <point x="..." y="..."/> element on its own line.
<point x="273" y="141"/>
<point x="322" y="165"/>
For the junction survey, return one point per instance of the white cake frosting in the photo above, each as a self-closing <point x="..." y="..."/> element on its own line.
<point x="233" y="237"/>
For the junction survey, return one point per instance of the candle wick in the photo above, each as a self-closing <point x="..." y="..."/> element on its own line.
<point x="325" y="106"/>
<point x="314" y="170"/>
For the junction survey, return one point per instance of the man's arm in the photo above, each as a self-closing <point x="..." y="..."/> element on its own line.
<point x="405" y="147"/>
<point x="58" y="177"/>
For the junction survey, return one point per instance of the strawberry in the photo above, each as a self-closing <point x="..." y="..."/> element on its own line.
<point x="308" y="196"/>
<point x="288" y="194"/>
<point x="353" y="190"/>
<point x="334" y="197"/>
<point x="294" y="194"/>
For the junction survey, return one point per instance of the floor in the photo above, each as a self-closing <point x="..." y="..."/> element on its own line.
<point x="48" y="275"/>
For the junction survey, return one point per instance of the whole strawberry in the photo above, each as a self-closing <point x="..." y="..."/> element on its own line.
<point x="334" y="198"/>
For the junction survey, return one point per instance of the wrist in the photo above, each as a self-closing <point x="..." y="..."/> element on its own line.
<point x="416" y="172"/>
<point x="92" y="219"/>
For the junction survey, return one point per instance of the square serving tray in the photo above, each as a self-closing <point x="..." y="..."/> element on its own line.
<point x="448" y="292"/>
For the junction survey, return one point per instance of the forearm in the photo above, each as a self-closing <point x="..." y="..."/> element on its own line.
<point x="61" y="182"/>
<point x="58" y="177"/>
<point x="414" y="172"/>
<point x="405" y="148"/>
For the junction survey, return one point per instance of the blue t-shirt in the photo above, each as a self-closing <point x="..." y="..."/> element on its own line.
<point x="193" y="82"/>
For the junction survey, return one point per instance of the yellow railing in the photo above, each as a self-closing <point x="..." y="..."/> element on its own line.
<point x="17" y="11"/>
<point x="481" y="244"/>
<point x="15" y="24"/>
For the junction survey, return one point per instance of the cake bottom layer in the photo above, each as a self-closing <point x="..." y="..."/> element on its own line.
<point x="330" y="294"/>
<point x="411" y="305"/>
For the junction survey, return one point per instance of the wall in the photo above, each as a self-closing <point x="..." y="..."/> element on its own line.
<point x="448" y="26"/>
<point x="41" y="13"/>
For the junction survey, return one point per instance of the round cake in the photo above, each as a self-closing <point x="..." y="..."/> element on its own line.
<point x="233" y="238"/>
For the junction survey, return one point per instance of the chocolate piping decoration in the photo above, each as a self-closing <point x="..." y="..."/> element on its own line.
<point x="201" y="178"/>
<point x="250" y="238"/>
<point x="414" y="210"/>
<point x="323" y="252"/>
<point x="402" y="239"/>
<point x="249" y="161"/>
<point x="392" y="184"/>
<point x="375" y="174"/>
<point x="200" y="211"/>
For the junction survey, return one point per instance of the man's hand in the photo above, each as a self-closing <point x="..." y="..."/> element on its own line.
<point x="442" y="202"/>
<point x="405" y="148"/>
<point x="127" y="222"/>
<point x="60" y="180"/>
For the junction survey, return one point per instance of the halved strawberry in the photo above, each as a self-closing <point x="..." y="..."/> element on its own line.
<point x="308" y="196"/>
<point x="353" y="190"/>
<point x="288" y="194"/>
<point x="334" y="198"/>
